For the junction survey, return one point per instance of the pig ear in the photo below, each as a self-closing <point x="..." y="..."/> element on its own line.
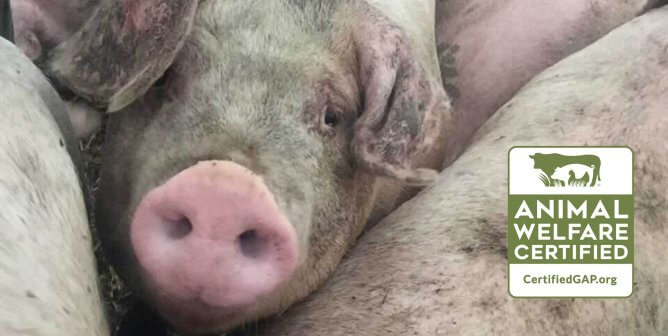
<point x="401" y="128"/>
<point x="122" y="49"/>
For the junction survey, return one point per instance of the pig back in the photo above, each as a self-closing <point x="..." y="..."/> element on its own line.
<point x="48" y="282"/>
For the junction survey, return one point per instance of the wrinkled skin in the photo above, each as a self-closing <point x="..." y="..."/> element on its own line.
<point x="437" y="265"/>
<point x="257" y="84"/>
<point x="488" y="50"/>
<point x="48" y="281"/>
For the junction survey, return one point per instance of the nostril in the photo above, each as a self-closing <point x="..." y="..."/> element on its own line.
<point x="178" y="229"/>
<point x="250" y="244"/>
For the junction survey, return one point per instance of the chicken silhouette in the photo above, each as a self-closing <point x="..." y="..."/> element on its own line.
<point x="578" y="182"/>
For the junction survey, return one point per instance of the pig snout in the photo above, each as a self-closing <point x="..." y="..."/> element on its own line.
<point x="214" y="234"/>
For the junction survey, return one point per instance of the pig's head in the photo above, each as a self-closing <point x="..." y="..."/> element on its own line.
<point x="251" y="142"/>
<point x="42" y="24"/>
<point x="29" y="26"/>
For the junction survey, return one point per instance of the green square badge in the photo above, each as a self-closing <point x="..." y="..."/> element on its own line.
<point x="570" y="221"/>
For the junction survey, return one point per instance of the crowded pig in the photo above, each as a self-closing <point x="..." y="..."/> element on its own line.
<point x="253" y="141"/>
<point x="488" y="50"/>
<point x="438" y="265"/>
<point x="48" y="280"/>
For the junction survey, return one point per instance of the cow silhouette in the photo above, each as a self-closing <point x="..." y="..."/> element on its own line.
<point x="548" y="163"/>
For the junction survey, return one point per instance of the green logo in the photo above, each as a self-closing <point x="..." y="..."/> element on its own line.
<point x="553" y="165"/>
<point x="569" y="234"/>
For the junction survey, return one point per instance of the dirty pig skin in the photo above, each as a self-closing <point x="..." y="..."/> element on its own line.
<point x="252" y="141"/>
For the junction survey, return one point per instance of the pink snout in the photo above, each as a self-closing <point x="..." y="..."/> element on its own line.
<point x="213" y="234"/>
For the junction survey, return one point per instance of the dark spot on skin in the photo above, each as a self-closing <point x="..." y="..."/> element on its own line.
<point x="452" y="91"/>
<point x="560" y="309"/>
<point x="447" y="57"/>
<point x="31" y="295"/>
<point x="385" y="297"/>
<point x="412" y="117"/>
<point x="440" y="48"/>
<point x="489" y="304"/>
<point x="489" y="236"/>
<point x="651" y="204"/>
<point x="472" y="8"/>
<point x="448" y="72"/>
<point x="255" y="164"/>
<point x="62" y="144"/>
<point x="354" y="298"/>
<point x="122" y="52"/>
<point x="111" y="52"/>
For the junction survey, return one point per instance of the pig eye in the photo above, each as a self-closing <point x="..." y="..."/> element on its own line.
<point x="331" y="118"/>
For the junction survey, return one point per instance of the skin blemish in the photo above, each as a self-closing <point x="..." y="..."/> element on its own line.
<point x="447" y="56"/>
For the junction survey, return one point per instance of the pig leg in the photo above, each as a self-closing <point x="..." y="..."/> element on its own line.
<point x="437" y="265"/>
<point x="48" y="282"/>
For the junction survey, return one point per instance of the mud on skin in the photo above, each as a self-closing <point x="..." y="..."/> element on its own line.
<point x="47" y="274"/>
<point x="438" y="264"/>
<point x="383" y="159"/>
<point x="488" y="50"/>
<point x="365" y="115"/>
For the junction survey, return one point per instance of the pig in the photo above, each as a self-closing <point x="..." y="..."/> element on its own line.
<point x="42" y="24"/>
<point x="575" y="175"/>
<point x="488" y="50"/>
<point x="48" y="279"/>
<point x="438" y="264"/>
<point x="249" y="142"/>
<point x="39" y="25"/>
